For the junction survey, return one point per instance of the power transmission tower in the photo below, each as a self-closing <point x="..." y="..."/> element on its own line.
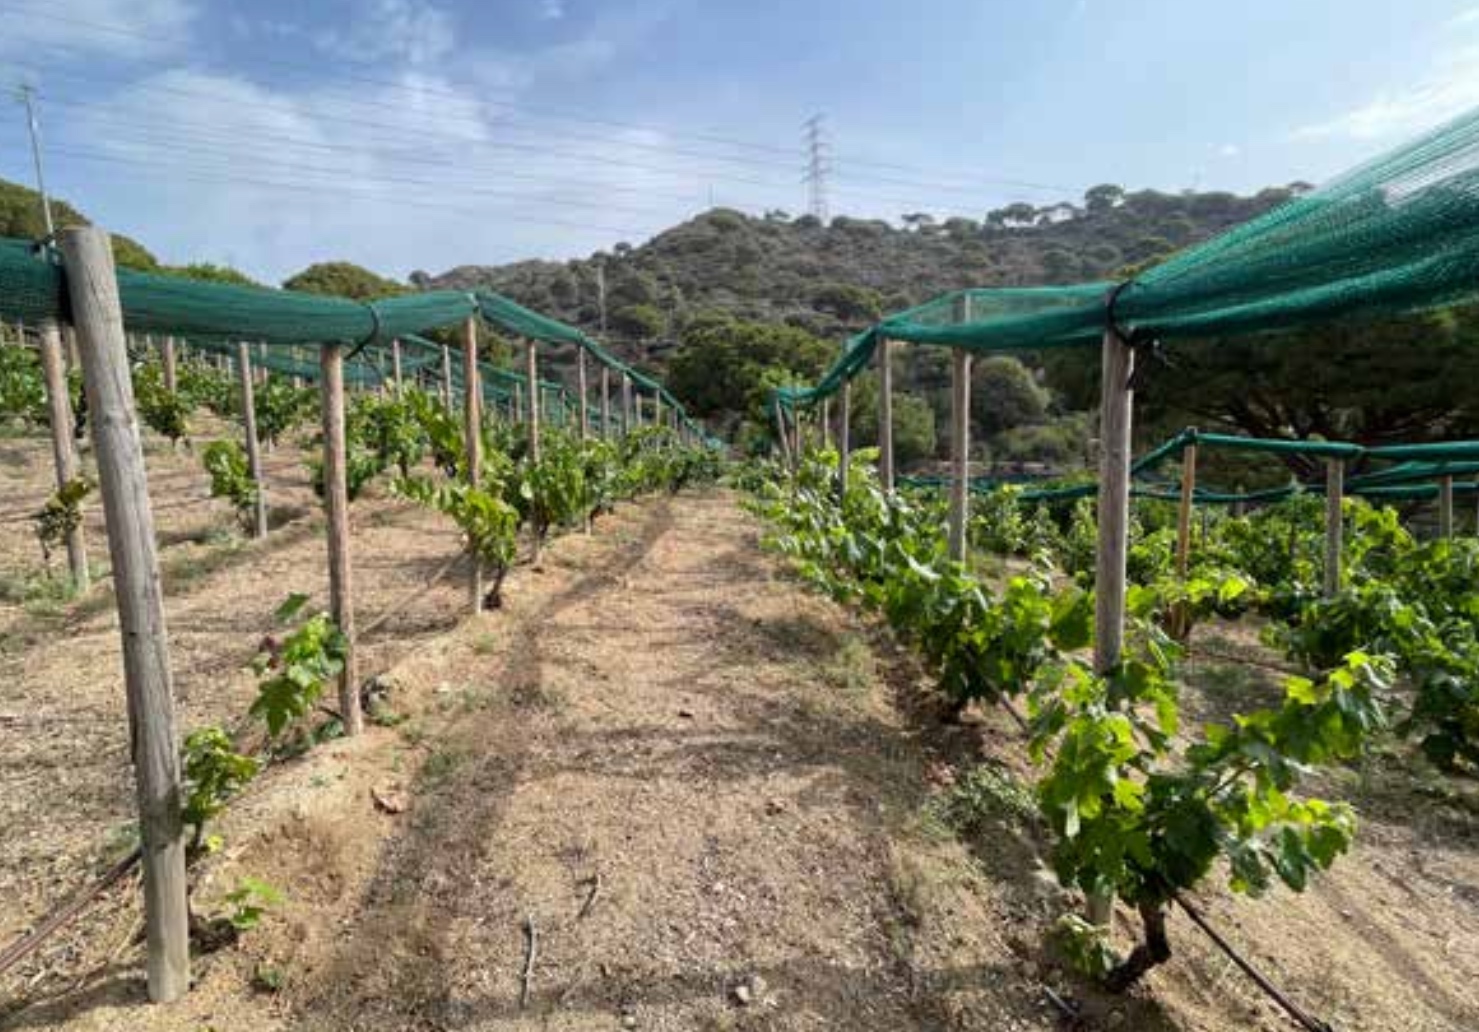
<point x="818" y="165"/>
<point x="27" y="95"/>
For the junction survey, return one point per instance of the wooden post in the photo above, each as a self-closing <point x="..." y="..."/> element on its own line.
<point x="336" y="515"/>
<point x="472" y="435"/>
<point x="826" y="423"/>
<point x="783" y="440"/>
<point x="960" y="451"/>
<point x="1334" y="525"/>
<point x="885" y="415"/>
<point x="844" y="435"/>
<point x="626" y="403"/>
<point x="531" y="374"/>
<point x="253" y="448"/>
<point x="64" y="456"/>
<point x="605" y="401"/>
<point x="1183" y="514"/>
<point x="395" y="363"/>
<point x="167" y="359"/>
<point x="1445" y="508"/>
<point x="446" y="377"/>
<point x="92" y="286"/>
<point x="580" y="383"/>
<point x="1115" y="413"/>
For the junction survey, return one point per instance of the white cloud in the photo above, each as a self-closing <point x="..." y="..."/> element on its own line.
<point x="552" y="10"/>
<point x="1469" y="17"/>
<point x="1229" y="150"/>
<point x="1448" y="89"/>
<point x="122" y="29"/>
<point x="414" y="31"/>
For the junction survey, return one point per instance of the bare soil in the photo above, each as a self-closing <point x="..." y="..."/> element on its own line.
<point x="714" y="797"/>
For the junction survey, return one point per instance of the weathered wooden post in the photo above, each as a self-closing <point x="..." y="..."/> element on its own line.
<point x="605" y="401"/>
<point x="626" y="403"/>
<point x="336" y="515"/>
<point x="531" y="373"/>
<point x="472" y="435"/>
<point x="960" y="439"/>
<point x="1445" y="508"/>
<point x="580" y="382"/>
<point x="446" y="377"/>
<point x="826" y="423"/>
<point x="395" y="364"/>
<point x="1334" y="524"/>
<point x="783" y="440"/>
<point x="167" y="360"/>
<point x="885" y="414"/>
<point x="92" y="286"/>
<point x="253" y="447"/>
<point x="844" y="436"/>
<point x="1183" y="513"/>
<point x="64" y="456"/>
<point x="1115" y="412"/>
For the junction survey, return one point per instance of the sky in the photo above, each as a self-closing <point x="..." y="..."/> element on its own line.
<point x="424" y="134"/>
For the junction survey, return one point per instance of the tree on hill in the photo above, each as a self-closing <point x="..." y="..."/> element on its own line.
<point x="210" y="273"/>
<point x="1004" y="395"/>
<point x="21" y="216"/>
<point x="344" y="279"/>
<point x="726" y="366"/>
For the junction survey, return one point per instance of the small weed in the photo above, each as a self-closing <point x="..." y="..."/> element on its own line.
<point x="249" y="901"/>
<point x="268" y="978"/>
<point x="412" y="733"/>
<point x="441" y="765"/>
<point x="382" y="715"/>
<point x="851" y="668"/>
<point x="484" y="644"/>
<point x="985" y="796"/>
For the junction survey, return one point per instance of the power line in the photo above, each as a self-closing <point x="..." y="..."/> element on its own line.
<point x="167" y="134"/>
<point x="318" y="71"/>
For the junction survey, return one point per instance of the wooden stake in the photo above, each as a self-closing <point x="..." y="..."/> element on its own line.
<point x="626" y="403"/>
<point x="826" y="423"/>
<point x="1334" y="524"/>
<point x="960" y="451"/>
<point x="844" y="436"/>
<point x="531" y="373"/>
<point x="395" y="363"/>
<point x="64" y="456"/>
<point x="580" y="383"/>
<point x="336" y="515"/>
<point x="253" y="448"/>
<point x="92" y="287"/>
<point x="885" y="414"/>
<point x="605" y="401"/>
<point x="167" y="359"/>
<point x="1445" y="508"/>
<point x="1116" y="406"/>
<point x="446" y="377"/>
<point x="783" y="440"/>
<point x="1183" y="514"/>
<point x="472" y="432"/>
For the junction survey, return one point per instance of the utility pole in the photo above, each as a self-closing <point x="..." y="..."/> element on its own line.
<point x="601" y="295"/>
<point x="28" y="97"/>
<point x="818" y="165"/>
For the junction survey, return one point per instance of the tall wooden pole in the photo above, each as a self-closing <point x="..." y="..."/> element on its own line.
<point x="92" y="287"/>
<point x="253" y="448"/>
<point x="960" y="439"/>
<point x="472" y="438"/>
<point x="606" y="401"/>
<point x="580" y="383"/>
<point x="885" y="414"/>
<point x="1115" y="412"/>
<point x="446" y="377"/>
<point x="395" y="363"/>
<point x="1334" y="524"/>
<point x="826" y="423"/>
<point x="626" y="403"/>
<point x="336" y="515"/>
<point x="783" y="440"/>
<point x="844" y="436"/>
<point x="64" y="456"/>
<point x="1445" y="508"/>
<point x="531" y="374"/>
<point x="1183" y="513"/>
<point x="167" y="359"/>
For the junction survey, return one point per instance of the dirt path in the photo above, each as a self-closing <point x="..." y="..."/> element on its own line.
<point x="698" y="781"/>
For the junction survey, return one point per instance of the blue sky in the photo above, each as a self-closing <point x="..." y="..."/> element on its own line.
<point x="422" y="134"/>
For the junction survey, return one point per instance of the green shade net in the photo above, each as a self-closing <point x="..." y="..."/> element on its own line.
<point x="1397" y="234"/>
<point x="213" y="316"/>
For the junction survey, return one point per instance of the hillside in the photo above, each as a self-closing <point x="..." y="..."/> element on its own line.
<point x="828" y="278"/>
